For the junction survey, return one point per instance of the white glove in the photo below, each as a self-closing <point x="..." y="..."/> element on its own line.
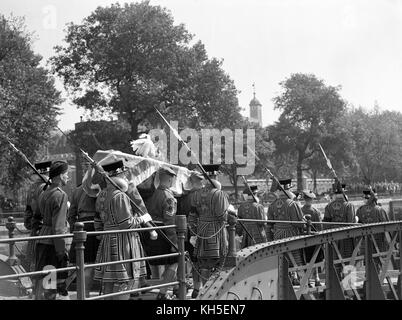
<point x="232" y="210"/>
<point x="146" y="218"/>
<point x="153" y="235"/>
<point x="193" y="240"/>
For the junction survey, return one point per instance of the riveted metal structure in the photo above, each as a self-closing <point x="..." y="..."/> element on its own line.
<point x="261" y="272"/>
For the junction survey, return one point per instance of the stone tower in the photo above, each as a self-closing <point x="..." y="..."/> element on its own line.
<point x="255" y="110"/>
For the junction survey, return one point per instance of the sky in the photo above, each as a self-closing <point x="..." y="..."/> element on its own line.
<point x="356" y="44"/>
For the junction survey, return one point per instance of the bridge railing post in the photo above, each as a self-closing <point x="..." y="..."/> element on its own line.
<point x="367" y="257"/>
<point x="308" y="223"/>
<point x="181" y="229"/>
<point x="333" y="288"/>
<point x="80" y="236"/>
<point x="11" y="225"/>
<point x="400" y="266"/>
<point x="232" y="253"/>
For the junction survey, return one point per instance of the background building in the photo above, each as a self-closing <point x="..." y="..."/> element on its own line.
<point x="255" y="110"/>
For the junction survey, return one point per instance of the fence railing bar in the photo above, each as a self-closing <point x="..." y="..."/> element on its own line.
<point x="115" y="294"/>
<point x="57" y="236"/>
<point x="92" y="233"/>
<point x="87" y="266"/>
<point x="37" y="273"/>
<point x="99" y="233"/>
<point x="297" y="222"/>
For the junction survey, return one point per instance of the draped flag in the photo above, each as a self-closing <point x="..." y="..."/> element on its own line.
<point x="142" y="172"/>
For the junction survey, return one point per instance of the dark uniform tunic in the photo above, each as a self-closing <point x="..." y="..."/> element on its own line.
<point x="372" y="213"/>
<point x="82" y="209"/>
<point x="315" y="217"/>
<point x="162" y="206"/>
<point x="114" y="212"/>
<point x="53" y="207"/>
<point x="339" y="210"/>
<point x="184" y="208"/>
<point x="252" y="210"/>
<point x="207" y="221"/>
<point x="33" y="219"/>
<point x="285" y="209"/>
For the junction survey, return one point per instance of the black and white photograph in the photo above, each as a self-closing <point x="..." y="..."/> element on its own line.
<point x="212" y="151"/>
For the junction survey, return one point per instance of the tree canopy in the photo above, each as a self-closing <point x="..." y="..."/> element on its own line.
<point x="28" y="100"/>
<point x="376" y="140"/>
<point x="127" y="59"/>
<point x="309" y="109"/>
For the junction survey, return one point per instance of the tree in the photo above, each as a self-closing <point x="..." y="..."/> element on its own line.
<point x="126" y="60"/>
<point x="264" y="148"/>
<point x="376" y="138"/>
<point x="92" y="136"/>
<point x="28" y="100"/>
<point x="309" y="107"/>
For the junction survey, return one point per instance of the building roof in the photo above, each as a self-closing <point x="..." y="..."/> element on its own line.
<point x="255" y="102"/>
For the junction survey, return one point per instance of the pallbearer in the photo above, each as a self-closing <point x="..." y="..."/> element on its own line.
<point x="340" y="210"/>
<point x="371" y="212"/>
<point x="184" y="206"/>
<point x="33" y="218"/>
<point x="207" y="223"/>
<point x="114" y="212"/>
<point x="250" y="209"/>
<point x="315" y="215"/>
<point x="82" y="209"/>
<point x="285" y="208"/>
<point x="53" y="207"/>
<point x="162" y="206"/>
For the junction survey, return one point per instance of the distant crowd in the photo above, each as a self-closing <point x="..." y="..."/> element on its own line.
<point x="380" y="187"/>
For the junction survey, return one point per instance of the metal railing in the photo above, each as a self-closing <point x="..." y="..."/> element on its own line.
<point x="324" y="238"/>
<point x="79" y="238"/>
<point x="279" y="253"/>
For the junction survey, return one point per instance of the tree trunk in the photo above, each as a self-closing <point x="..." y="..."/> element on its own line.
<point x="315" y="181"/>
<point x="134" y="128"/>
<point x="300" y="172"/>
<point x="236" y="189"/>
<point x="234" y="175"/>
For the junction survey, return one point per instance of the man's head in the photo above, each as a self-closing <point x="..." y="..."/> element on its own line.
<point x="250" y="192"/>
<point x="339" y="188"/>
<point x="43" y="168"/>
<point x="58" y="172"/>
<point x="166" y="176"/>
<point x="286" y="185"/>
<point x="196" y="180"/>
<point x="370" y="195"/>
<point x="212" y="170"/>
<point x="309" y="197"/>
<point x="117" y="172"/>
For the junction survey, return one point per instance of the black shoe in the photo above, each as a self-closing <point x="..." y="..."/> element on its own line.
<point x="145" y="286"/>
<point x="195" y="293"/>
<point x="163" y="296"/>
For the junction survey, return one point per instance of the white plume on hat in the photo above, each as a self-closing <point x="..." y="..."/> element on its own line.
<point x="144" y="147"/>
